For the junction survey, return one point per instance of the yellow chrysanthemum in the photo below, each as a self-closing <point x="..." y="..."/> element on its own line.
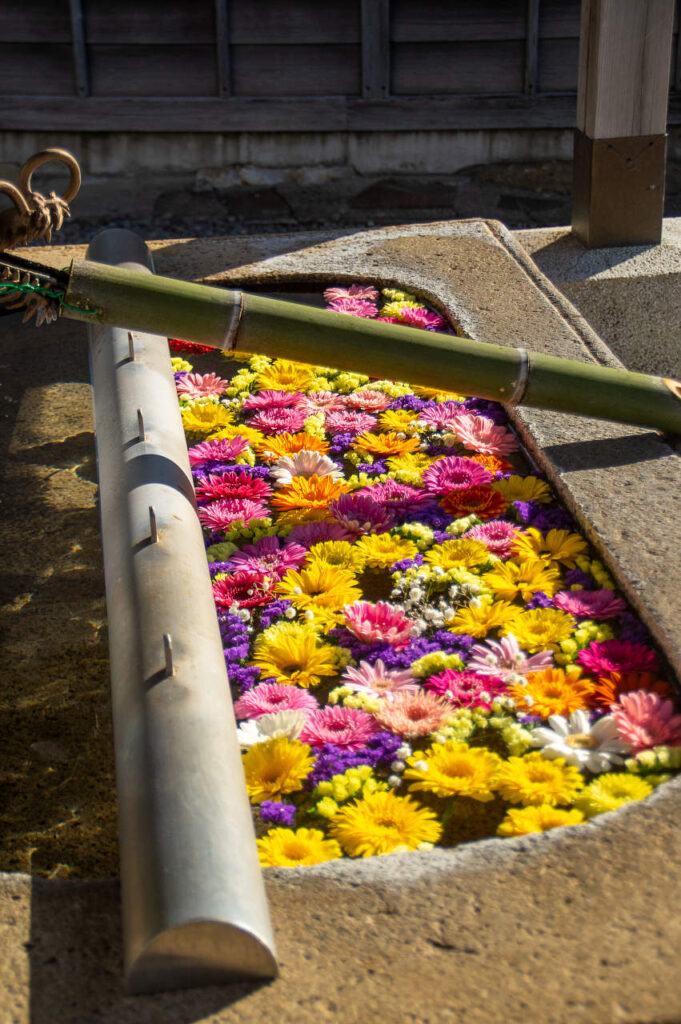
<point x="205" y="418"/>
<point x="395" y="307"/>
<point x="283" y="375"/>
<point x="454" y="553"/>
<point x="479" y="620"/>
<point x="523" y="488"/>
<point x="340" y="553"/>
<point x="284" y="848"/>
<point x="276" y="767"/>
<point x="520" y="821"/>
<point x="555" y="546"/>
<point x="412" y="463"/>
<point x="533" y="779"/>
<point x="397" y="420"/>
<point x="249" y="434"/>
<point x="308" y="492"/>
<point x="292" y="654"/>
<point x="274" y="446"/>
<point x="385" y="444"/>
<point x="554" y="691"/>
<point x="180" y="365"/>
<point x="540" y="628"/>
<point x="523" y="579"/>
<point x="384" y="823"/>
<point x="381" y="551"/>
<point x="454" y="769"/>
<point x="320" y="589"/>
<point x="608" y="792"/>
<point x="437" y="394"/>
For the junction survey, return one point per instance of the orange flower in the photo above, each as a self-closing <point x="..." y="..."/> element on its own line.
<point x="553" y="692"/>
<point x="483" y="500"/>
<point x="609" y="688"/>
<point x="308" y="493"/>
<point x="275" y="446"/>
<point x="493" y="463"/>
<point x="385" y="444"/>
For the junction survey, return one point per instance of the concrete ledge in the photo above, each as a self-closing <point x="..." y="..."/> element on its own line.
<point x="539" y="929"/>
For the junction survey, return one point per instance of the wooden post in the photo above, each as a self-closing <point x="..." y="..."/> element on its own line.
<point x="375" y="49"/>
<point x="620" y="142"/>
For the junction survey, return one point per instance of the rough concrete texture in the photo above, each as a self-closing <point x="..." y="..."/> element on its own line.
<point x="581" y="924"/>
<point x="630" y="295"/>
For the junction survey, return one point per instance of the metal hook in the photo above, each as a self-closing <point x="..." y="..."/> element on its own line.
<point x="140" y="426"/>
<point x="168" y="651"/>
<point x="153" y="528"/>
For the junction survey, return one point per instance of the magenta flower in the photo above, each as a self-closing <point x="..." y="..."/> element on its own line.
<point x="245" y="589"/>
<point x="505" y="659"/>
<point x="235" y="484"/>
<point x="353" y="306"/>
<point x="350" y="421"/>
<point x="268" y="698"/>
<point x="466" y="689"/>
<point x="453" y="473"/>
<point x="378" y="623"/>
<point x="308" y="534"/>
<point x="377" y="680"/>
<point x="220" y="450"/>
<point x="590" y="604"/>
<point x="368" y="400"/>
<point x="496" y="534"/>
<point x="422" y="318"/>
<point x="269" y="555"/>
<point x="278" y="421"/>
<point x="398" y="497"/>
<point x="344" y="727"/>
<point x="272" y="400"/>
<point x="604" y="656"/>
<point x="355" y="291"/>
<point x="201" y="385"/>
<point x="645" y="720"/>
<point x="360" y="514"/>
<point x="442" y="416"/>
<point x="223" y="513"/>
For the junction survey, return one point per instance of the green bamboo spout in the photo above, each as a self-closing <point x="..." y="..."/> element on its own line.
<point x="233" y="320"/>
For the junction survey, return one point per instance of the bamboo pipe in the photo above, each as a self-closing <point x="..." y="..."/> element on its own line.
<point x="230" y="320"/>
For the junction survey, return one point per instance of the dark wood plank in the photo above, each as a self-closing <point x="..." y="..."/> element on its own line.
<point x="441" y="68"/>
<point x="421" y="21"/>
<point x="531" y="47"/>
<point x="375" y="49"/>
<point x="222" y="51"/>
<point x="139" y="22"/>
<point x="295" y="70"/>
<point x="80" y="68"/>
<point x="295" y="21"/>
<point x="34" y="22"/>
<point x="559" y="19"/>
<point x="153" y="70"/>
<point x="558" y="65"/>
<point x="36" y="68"/>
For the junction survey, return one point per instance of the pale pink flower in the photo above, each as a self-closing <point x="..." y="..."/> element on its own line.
<point x="497" y="535"/>
<point x="466" y="689"/>
<point x="645" y="720"/>
<point x="422" y="318"/>
<point x="360" y="514"/>
<point x="453" y="473"/>
<point x="379" y="622"/>
<point x="604" y="656"/>
<point x="234" y="484"/>
<point x="413" y="714"/>
<point x="269" y="555"/>
<point x="268" y="698"/>
<point x="441" y="416"/>
<point x="355" y="307"/>
<point x="220" y="450"/>
<point x="308" y="534"/>
<point x="303" y="463"/>
<point x="201" y="385"/>
<point x="278" y="421"/>
<point x="272" y="400"/>
<point x="344" y="727"/>
<point x="221" y="514"/>
<point x="505" y="659"/>
<point x="323" y="401"/>
<point x="245" y="589"/>
<point x="354" y="291"/>
<point x="350" y="421"/>
<point x="483" y="435"/>
<point x="400" y="498"/>
<point x="368" y="400"/>
<point x="589" y="604"/>
<point x="376" y="679"/>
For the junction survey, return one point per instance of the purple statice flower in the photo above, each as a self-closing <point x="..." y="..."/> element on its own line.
<point x="232" y="629"/>
<point x="632" y="629"/>
<point x="332" y="760"/>
<point x="577" y="578"/>
<point x="235" y="652"/>
<point x="435" y="449"/>
<point x="539" y="600"/>
<point x="372" y="468"/>
<point x="532" y="513"/>
<point x="484" y="407"/>
<point x="245" y="677"/>
<point x="453" y="643"/>
<point x="216" y="567"/>
<point x="408" y="563"/>
<point x="433" y="516"/>
<point x="273" y="611"/>
<point x="360" y="651"/>
<point x="278" y="813"/>
<point x="340" y="443"/>
<point x="410" y="402"/>
<point x="440" y="536"/>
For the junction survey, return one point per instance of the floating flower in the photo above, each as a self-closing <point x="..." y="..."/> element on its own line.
<point x="523" y="579"/>
<point x="293" y="655"/>
<point x="349" y="728"/>
<point x="216" y="451"/>
<point x="609" y="688"/>
<point x="441" y="416"/>
<point x="378" y="622"/>
<point x="348" y="420"/>
<point x="283" y="375"/>
<point x="521" y="821"/>
<point x="337" y="552"/>
<point x="556" y="545"/>
<point x="484" y="502"/>
<point x="645" y="720"/>
<point x="385" y="444"/>
<point x="541" y="628"/>
<point x="505" y="659"/>
<point x="533" y="779"/>
<point x="361" y="514"/>
<point x="399" y="498"/>
<point x="377" y="680"/>
<point x="454" y="769"/>
<point x="413" y="714"/>
<point x="323" y="401"/>
<point x="237" y="484"/>
<point x="483" y="435"/>
<point x="288" y="723"/>
<point x="201" y="385"/>
<point x="423" y="318"/>
<point x="452" y="554"/>
<point x="553" y="691"/>
<point x="595" y="747"/>
<point x="270" y="698"/>
<point x="205" y="419"/>
<point x="320" y="589"/>
<point x="277" y="446"/>
<point x="590" y="604"/>
<point x="276" y="767"/>
<point x="606" y="656"/>
<point x="308" y="534"/>
<point x="354" y="291"/>
<point x="368" y="400"/>
<point x="524" y="488"/>
<point x="284" y="848"/>
<point x="268" y="555"/>
<point x="496" y="534"/>
<point x="272" y="421"/>
<point x="354" y="306"/>
<point x="481" y="617"/>
<point x="608" y="792"/>
<point x="303" y="464"/>
<point x="224" y="513"/>
<point x="493" y="463"/>
<point x="384" y="823"/>
<point x="466" y="689"/>
<point x="452" y="473"/>
<point x="398" y="420"/>
<point x="245" y="589"/>
<point x="308" y="492"/>
<point x="272" y="400"/>
<point x="381" y="551"/>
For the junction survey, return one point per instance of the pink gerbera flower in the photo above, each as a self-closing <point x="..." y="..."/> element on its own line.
<point x="413" y="714"/>
<point x="604" y="656"/>
<point x="272" y="400"/>
<point x="505" y="659"/>
<point x="453" y="473"/>
<point x="278" y="421"/>
<point x="308" y="534"/>
<point x="422" y="318"/>
<point x="221" y="514"/>
<point x="466" y="689"/>
<point x="380" y="622"/>
<point x="442" y="415"/>
<point x="269" y="555"/>
<point x="355" y="291"/>
<point x="353" y="306"/>
<point x="376" y="679"/>
<point x="400" y="498"/>
<point x="360" y="514"/>
<point x="497" y="535"/>
<point x="268" y="698"/>
<point x="351" y="421"/>
<point x="645" y="720"/>
<point x="344" y="727"/>
<point x="368" y="400"/>
<point x="245" y="589"/>
<point x="201" y="385"/>
<point x="483" y="435"/>
<point x="235" y="484"/>
<point x="220" y="450"/>
<point x="590" y="604"/>
<point x="323" y="401"/>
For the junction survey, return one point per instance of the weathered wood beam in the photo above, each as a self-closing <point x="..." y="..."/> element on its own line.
<point x="532" y="47"/>
<point x="80" y="69"/>
<point x="222" y="54"/>
<point x="375" y="49"/>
